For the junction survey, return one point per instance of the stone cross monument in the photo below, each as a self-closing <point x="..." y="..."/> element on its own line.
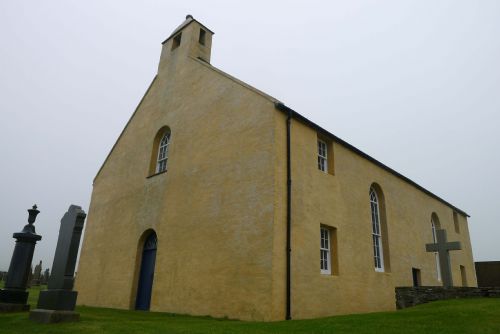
<point x="14" y="296"/>
<point x="442" y="247"/>
<point x="58" y="302"/>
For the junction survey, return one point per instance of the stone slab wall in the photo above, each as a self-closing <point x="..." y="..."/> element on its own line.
<point x="411" y="296"/>
<point x="488" y="273"/>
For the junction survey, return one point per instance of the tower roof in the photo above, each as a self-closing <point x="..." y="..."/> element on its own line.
<point x="189" y="19"/>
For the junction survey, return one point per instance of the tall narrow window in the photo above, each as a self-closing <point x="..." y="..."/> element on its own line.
<point x="322" y="156"/>
<point x="456" y="222"/>
<point x="325" y="255"/>
<point x="435" y="225"/>
<point x="161" y="164"/>
<point x="378" y="255"/>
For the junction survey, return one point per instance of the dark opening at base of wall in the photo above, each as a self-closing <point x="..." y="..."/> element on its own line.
<point x="411" y="296"/>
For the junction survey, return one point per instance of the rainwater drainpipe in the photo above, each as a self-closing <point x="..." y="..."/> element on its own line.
<point x="289" y="112"/>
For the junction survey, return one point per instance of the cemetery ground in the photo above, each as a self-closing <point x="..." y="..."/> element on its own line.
<point x="451" y="316"/>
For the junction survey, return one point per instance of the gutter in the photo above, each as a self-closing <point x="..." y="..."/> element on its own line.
<point x="289" y="111"/>
<point x="288" y="214"/>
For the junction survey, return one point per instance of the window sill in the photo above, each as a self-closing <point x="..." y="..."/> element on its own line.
<point x="387" y="273"/>
<point x="153" y="175"/>
<point x="325" y="173"/>
<point x="330" y="276"/>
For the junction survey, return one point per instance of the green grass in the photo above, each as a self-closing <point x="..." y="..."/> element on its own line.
<point x="451" y="316"/>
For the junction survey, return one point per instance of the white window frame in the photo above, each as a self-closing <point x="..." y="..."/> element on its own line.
<point x="161" y="161"/>
<point x="378" y="252"/>
<point x="322" y="156"/>
<point x="325" y="246"/>
<point x="436" y="254"/>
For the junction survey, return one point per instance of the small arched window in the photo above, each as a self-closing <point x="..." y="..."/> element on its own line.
<point x="161" y="163"/>
<point x="435" y="225"/>
<point x="159" y="151"/>
<point x="378" y="254"/>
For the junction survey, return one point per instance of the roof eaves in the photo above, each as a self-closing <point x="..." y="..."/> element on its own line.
<point x="280" y="106"/>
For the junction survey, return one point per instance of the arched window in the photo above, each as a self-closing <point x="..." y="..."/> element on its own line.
<point x="159" y="152"/>
<point x="435" y="225"/>
<point x="378" y="254"/>
<point x="161" y="163"/>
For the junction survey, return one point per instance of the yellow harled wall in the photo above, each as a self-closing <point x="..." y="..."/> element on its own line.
<point x="341" y="201"/>
<point x="220" y="209"/>
<point x="213" y="210"/>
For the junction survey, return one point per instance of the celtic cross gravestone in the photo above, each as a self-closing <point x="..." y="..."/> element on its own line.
<point x="442" y="247"/>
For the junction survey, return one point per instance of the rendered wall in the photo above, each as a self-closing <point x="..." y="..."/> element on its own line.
<point x="220" y="209"/>
<point x="213" y="210"/>
<point x="341" y="201"/>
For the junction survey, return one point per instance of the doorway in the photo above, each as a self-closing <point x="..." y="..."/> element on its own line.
<point x="464" y="276"/>
<point x="416" y="276"/>
<point x="146" y="275"/>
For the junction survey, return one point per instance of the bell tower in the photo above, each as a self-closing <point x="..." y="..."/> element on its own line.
<point x="190" y="39"/>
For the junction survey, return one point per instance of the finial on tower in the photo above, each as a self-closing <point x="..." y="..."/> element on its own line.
<point x="189" y="16"/>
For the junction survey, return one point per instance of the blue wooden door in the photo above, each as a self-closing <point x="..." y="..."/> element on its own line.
<point x="146" y="275"/>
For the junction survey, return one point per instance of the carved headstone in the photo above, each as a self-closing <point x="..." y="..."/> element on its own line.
<point x="45" y="277"/>
<point x="30" y="278"/>
<point x="37" y="275"/>
<point x="14" y="297"/>
<point x="442" y="247"/>
<point x="58" y="302"/>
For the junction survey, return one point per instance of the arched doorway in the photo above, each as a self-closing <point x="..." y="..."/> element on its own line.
<point x="145" y="286"/>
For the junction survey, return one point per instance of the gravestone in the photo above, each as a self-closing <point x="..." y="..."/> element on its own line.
<point x="14" y="297"/>
<point x="58" y="302"/>
<point x="30" y="277"/>
<point x="45" y="277"/>
<point x="442" y="247"/>
<point x="37" y="275"/>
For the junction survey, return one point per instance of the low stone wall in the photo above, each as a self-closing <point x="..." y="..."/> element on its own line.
<point x="411" y="296"/>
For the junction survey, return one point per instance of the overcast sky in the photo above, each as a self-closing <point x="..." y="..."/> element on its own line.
<point x="415" y="84"/>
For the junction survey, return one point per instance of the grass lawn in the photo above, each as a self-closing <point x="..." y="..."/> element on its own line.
<point x="453" y="316"/>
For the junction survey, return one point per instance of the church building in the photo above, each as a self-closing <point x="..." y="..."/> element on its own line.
<point x="218" y="199"/>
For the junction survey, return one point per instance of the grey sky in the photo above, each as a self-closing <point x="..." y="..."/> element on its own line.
<point x="415" y="84"/>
